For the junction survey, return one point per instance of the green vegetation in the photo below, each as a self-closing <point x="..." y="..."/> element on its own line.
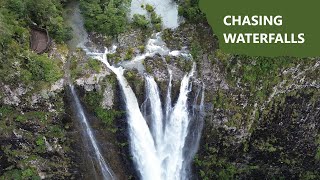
<point x="17" y="63"/>
<point x="20" y="153"/>
<point x="190" y="10"/>
<point x="94" y="64"/>
<point x="43" y="69"/>
<point x="149" y="8"/>
<point x="129" y="54"/>
<point x="45" y="13"/>
<point x="155" y="19"/>
<point x="17" y="174"/>
<point x="108" y="17"/>
<point x="140" y="21"/>
<point x="107" y="116"/>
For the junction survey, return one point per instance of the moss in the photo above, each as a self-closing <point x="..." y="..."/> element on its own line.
<point x="224" y="57"/>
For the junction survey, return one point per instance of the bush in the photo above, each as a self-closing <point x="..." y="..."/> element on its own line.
<point x="149" y="8"/>
<point x="155" y="19"/>
<point x="95" y="65"/>
<point x="158" y="27"/>
<point x="140" y="21"/>
<point x="191" y="11"/>
<point x="108" y="18"/>
<point x="45" y="13"/>
<point x="43" y="69"/>
<point x="107" y="116"/>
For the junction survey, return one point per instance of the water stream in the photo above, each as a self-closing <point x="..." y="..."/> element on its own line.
<point x="104" y="168"/>
<point x="90" y="143"/>
<point x="158" y="145"/>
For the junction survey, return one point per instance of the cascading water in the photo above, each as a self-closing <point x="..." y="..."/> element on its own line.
<point x="157" y="135"/>
<point x="158" y="151"/>
<point x="80" y="40"/>
<point x="105" y="170"/>
<point x="175" y="133"/>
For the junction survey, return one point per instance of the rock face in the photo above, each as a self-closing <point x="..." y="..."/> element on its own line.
<point x="33" y="134"/>
<point x="261" y="117"/>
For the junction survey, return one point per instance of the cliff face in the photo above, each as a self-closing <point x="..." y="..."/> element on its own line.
<point x="261" y="113"/>
<point x="36" y="135"/>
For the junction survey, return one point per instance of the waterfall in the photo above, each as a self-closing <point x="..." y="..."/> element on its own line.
<point x="153" y="96"/>
<point x="176" y="132"/>
<point x="105" y="170"/>
<point x="157" y="144"/>
<point x="168" y="98"/>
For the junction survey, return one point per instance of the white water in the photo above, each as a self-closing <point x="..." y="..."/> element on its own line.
<point x="155" y="45"/>
<point x="157" y="145"/>
<point x="105" y="170"/>
<point x="157" y="136"/>
<point x="153" y="96"/>
<point x="167" y="9"/>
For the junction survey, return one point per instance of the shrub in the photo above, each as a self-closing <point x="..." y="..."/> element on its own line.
<point x="140" y="21"/>
<point x="107" y="116"/>
<point x="43" y="69"/>
<point x="149" y="8"/>
<point x="109" y="18"/>
<point x="155" y="19"/>
<point x="95" y="65"/>
<point x="191" y="11"/>
<point x="158" y="27"/>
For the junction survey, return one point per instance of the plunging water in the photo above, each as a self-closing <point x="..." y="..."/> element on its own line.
<point x="158" y="137"/>
<point x="158" y="147"/>
<point x="105" y="170"/>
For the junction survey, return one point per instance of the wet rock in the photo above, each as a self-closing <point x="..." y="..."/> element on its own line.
<point x="108" y="97"/>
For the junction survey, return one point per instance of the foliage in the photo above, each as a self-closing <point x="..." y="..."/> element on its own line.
<point x="17" y="63"/>
<point x="108" y="17"/>
<point x="140" y="21"/>
<point x="43" y="69"/>
<point x="107" y="116"/>
<point x="45" y="13"/>
<point x="149" y="8"/>
<point x="94" y="64"/>
<point x="93" y="101"/>
<point x="155" y="19"/>
<point x="18" y="174"/>
<point x="190" y="10"/>
<point x="129" y="54"/>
